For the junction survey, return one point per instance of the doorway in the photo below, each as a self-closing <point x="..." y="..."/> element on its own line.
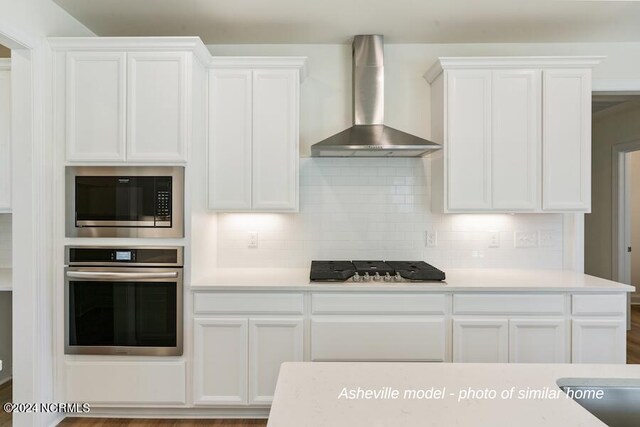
<point x="615" y="215"/>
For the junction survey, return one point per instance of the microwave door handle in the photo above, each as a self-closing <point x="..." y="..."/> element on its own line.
<point x="116" y="275"/>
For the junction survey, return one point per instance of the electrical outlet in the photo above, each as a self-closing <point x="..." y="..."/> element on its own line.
<point x="548" y="238"/>
<point x="525" y="239"/>
<point x="431" y="238"/>
<point x="252" y="239"/>
<point x="494" y="239"/>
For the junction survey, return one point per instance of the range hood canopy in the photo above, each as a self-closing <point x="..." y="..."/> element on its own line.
<point x="369" y="137"/>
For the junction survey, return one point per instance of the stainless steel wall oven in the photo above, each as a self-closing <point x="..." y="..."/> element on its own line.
<point x="124" y="300"/>
<point x="145" y="201"/>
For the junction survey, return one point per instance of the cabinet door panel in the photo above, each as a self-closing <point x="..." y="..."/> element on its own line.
<point x="515" y="139"/>
<point x="599" y="341"/>
<point x="378" y="338"/>
<point x="95" y="92"/>
<point x="469" y="140"/>
<point x="271" y="343"/>
<point x="537" y="341"/>
<point x="5" y="140"/>
<point x="220" y="361"/>
<point x="566" y="140"/>
<point x="275" y="140"/>
<point x="230" y="122"/>
<point x="157" y="106"/>
<point x="480" y="340"/>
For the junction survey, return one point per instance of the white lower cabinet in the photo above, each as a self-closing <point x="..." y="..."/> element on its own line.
<point x="598" y="340"/>
<point x="220" y="361"/>
<point x="237" y="360"/>
<point x="271" y="342"/>
<point x="538" y="341"/>
<point x="515" y="340"/>
<point x="481" y="340"/>
<point x="378" y="338"/>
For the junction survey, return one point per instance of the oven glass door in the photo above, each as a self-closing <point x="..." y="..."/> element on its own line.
<point x="115" y="201"/>
<point x="123" y="316"/>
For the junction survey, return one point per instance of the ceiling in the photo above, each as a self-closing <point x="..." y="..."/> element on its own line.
<point x="336" y="21"/>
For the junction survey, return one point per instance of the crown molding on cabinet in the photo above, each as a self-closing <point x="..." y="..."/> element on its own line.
<point x="5" y="64"/>
<point x="264" y="62"/>
<point x="193" y="44"/>
<point x="493" y="62"/>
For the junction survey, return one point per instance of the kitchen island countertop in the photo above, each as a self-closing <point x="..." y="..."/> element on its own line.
<point x="458" y="280"/>
<point x="312" y="394"/>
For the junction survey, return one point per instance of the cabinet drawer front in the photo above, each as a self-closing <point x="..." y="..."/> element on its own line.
<point x="378" y="303"/>
<point x="508" y="304"/>
<point x="238" y="302"/>
<point x="126" y="383"/>
<point x="364" y="338"/>
<point x="599" y="305"/>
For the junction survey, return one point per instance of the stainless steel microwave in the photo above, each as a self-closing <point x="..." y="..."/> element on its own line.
<point x="144" y="201"/>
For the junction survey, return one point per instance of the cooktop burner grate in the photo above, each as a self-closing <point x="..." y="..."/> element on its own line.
<point x="387" y="271"/>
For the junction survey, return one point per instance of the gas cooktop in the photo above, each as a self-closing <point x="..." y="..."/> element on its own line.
<point x="376" y="271"/>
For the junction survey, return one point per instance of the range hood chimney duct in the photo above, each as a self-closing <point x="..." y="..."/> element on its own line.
<point x="369" y="137"/>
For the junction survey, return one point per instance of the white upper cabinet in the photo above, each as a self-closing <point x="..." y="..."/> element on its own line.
<point x="253" y="135"/>
<point x="96" y="91"/>
<point x="230" y="134"/>
<point x="128" y="99"/>
<point x="275" y="140"/>
<point x="5" y="135"/>
<point x="515" y="139"/>
<point x="469" y="149"/>
<point x="504" y="148"/>
<point x="156" y="106"/>
<point x="567" y="140"/>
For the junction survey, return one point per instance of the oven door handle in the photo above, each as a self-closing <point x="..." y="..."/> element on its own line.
<point x="116" y="275"/>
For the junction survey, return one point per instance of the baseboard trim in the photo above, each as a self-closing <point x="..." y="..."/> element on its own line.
<point x="186" y="413"/>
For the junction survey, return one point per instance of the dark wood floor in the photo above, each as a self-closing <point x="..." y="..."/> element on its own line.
<point x="633" y="356"/>
<point x="98" y="422"/>
<point x="5" y="396"/>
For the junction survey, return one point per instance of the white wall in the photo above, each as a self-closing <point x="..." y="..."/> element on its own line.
<point x="634" y="163"/>
<point x="5" y="336"/>
<point x="618" y="125"/>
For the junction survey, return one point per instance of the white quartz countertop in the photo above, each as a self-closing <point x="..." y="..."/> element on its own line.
<point x="472" y="280"/>
<point x="5" y="279"/>
<point x="307" y="394"/>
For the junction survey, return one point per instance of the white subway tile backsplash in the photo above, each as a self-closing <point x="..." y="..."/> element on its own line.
<point x="380" y="208"/>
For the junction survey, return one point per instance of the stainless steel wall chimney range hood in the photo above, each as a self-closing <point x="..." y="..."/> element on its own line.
<point x="369" y="137"/>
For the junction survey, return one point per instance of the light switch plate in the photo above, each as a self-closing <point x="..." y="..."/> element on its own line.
<point x="431" y="238"/>
<point x="494" y="239"/>
<point x="252" y="239"/>
<point x="525" y="239"/>
<point x="548" y="238"/>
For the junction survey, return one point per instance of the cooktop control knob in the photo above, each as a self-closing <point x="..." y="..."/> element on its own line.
<point x="377" y="277"/>
<point x="387" y="277"/>
<point x="367" y="278"/>
<point x="356" y="277"/>
<point x="397" y="278"/>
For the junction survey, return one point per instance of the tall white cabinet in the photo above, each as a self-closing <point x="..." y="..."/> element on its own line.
<point x="253" y="134"/>
<point x="127" y="99"/>
<point x="5" y="135"/>
<point x="516" y="134"/>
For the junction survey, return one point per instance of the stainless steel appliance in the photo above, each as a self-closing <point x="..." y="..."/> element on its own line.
<point x="124" y="300"/>
<point x="125" y="201"/>
<point x="374" y="271"/>
<point x="369" y="137"/>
